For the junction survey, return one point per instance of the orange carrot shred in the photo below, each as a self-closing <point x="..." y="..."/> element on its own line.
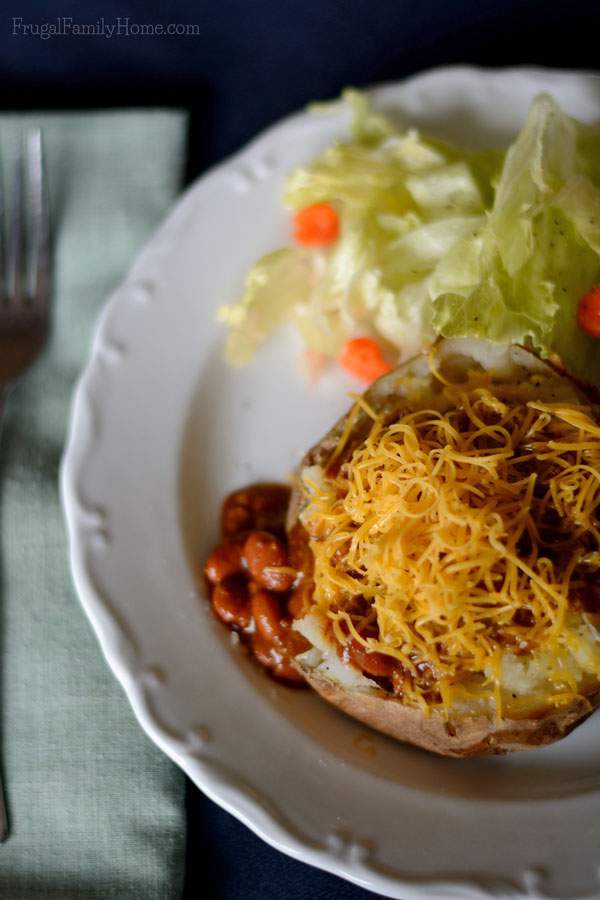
<point x="588" y="312"/>
<point x="316" y="225"/>
<point x="362" y="358"/>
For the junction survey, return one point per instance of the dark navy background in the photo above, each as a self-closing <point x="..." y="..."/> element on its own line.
<point x="253" y="62"/>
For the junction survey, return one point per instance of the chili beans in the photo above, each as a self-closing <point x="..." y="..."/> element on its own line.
<point x="372" y="663"/>
<point x="259" y="507"/>
<point x="276" y="658"/>
<point x="267" y="616"/>
<point x="251" y="577"/>
<point x="301" y="560"/>
<point x="267" y="561"/>
<point x="262" y="579"/>
<point x="224" y="561"/>
<point x="299" y="600"/>
<point x="231" y="602"/>
<point x="263" y="651"/>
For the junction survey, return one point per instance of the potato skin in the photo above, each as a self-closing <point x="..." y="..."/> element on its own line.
<point x="459" y="736"/>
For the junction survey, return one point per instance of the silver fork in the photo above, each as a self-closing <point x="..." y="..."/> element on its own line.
<point x="24" y="280"/>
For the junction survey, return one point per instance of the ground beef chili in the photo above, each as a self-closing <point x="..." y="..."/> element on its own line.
<point x="253" y="581"/>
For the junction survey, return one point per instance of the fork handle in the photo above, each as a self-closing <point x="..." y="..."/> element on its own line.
<point x="3" y="822"/>
<point x="3" y="399"/>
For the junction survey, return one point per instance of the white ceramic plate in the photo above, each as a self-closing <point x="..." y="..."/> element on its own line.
<point x="162" y="430"/>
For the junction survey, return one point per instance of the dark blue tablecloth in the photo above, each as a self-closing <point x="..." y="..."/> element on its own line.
<point x="252" y="62"/>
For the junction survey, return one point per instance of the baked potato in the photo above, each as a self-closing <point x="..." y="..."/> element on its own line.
<point x="447" y="533"/>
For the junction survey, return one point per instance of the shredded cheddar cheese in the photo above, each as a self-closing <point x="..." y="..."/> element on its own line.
<point x="462" y="540"/>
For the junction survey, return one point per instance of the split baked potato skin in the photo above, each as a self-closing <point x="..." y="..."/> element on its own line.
<point x="458" y="735"/>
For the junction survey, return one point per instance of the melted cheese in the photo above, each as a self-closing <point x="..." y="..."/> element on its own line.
<point x="460" y="537"/>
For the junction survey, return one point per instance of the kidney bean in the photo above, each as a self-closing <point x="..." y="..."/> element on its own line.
<point x="263" y="651"/>
<point x="372" y="663"/>
<point x="267" y="616"/>
<point x="300" y="599"/>
<point x="267" y="561"/>
<point x="225" y="560"/>
<point x="231" y="602"/>
<point x="251" y="577"/>
<point x="296" y="643"/>
<point x="259" y="506"/>
<point x="299" y="552"/>
<point x="302" y="561"/>
<point x="277" y="658"/>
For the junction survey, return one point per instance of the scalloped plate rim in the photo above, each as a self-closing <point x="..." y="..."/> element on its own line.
<point x="269" y="826"/>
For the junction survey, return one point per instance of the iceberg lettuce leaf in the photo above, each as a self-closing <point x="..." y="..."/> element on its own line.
<point x="438" y="240"/>
<point x="272" y="287"/>
<point x="521" y="276"/>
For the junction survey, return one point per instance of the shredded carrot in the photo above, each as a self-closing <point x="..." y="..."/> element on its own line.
<point x="316" y="225"/>
<point x="588" y="312"/>
<point x="362" y="357"/>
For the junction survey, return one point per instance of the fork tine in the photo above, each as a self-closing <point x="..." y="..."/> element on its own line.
<point x="39" y="264"/>
<point x="14" y="250"/>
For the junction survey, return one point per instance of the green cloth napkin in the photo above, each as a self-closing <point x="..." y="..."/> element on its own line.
<point x="95" y="809"/>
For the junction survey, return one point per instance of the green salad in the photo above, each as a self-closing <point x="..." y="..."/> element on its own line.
<point x="401" y="238"/>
